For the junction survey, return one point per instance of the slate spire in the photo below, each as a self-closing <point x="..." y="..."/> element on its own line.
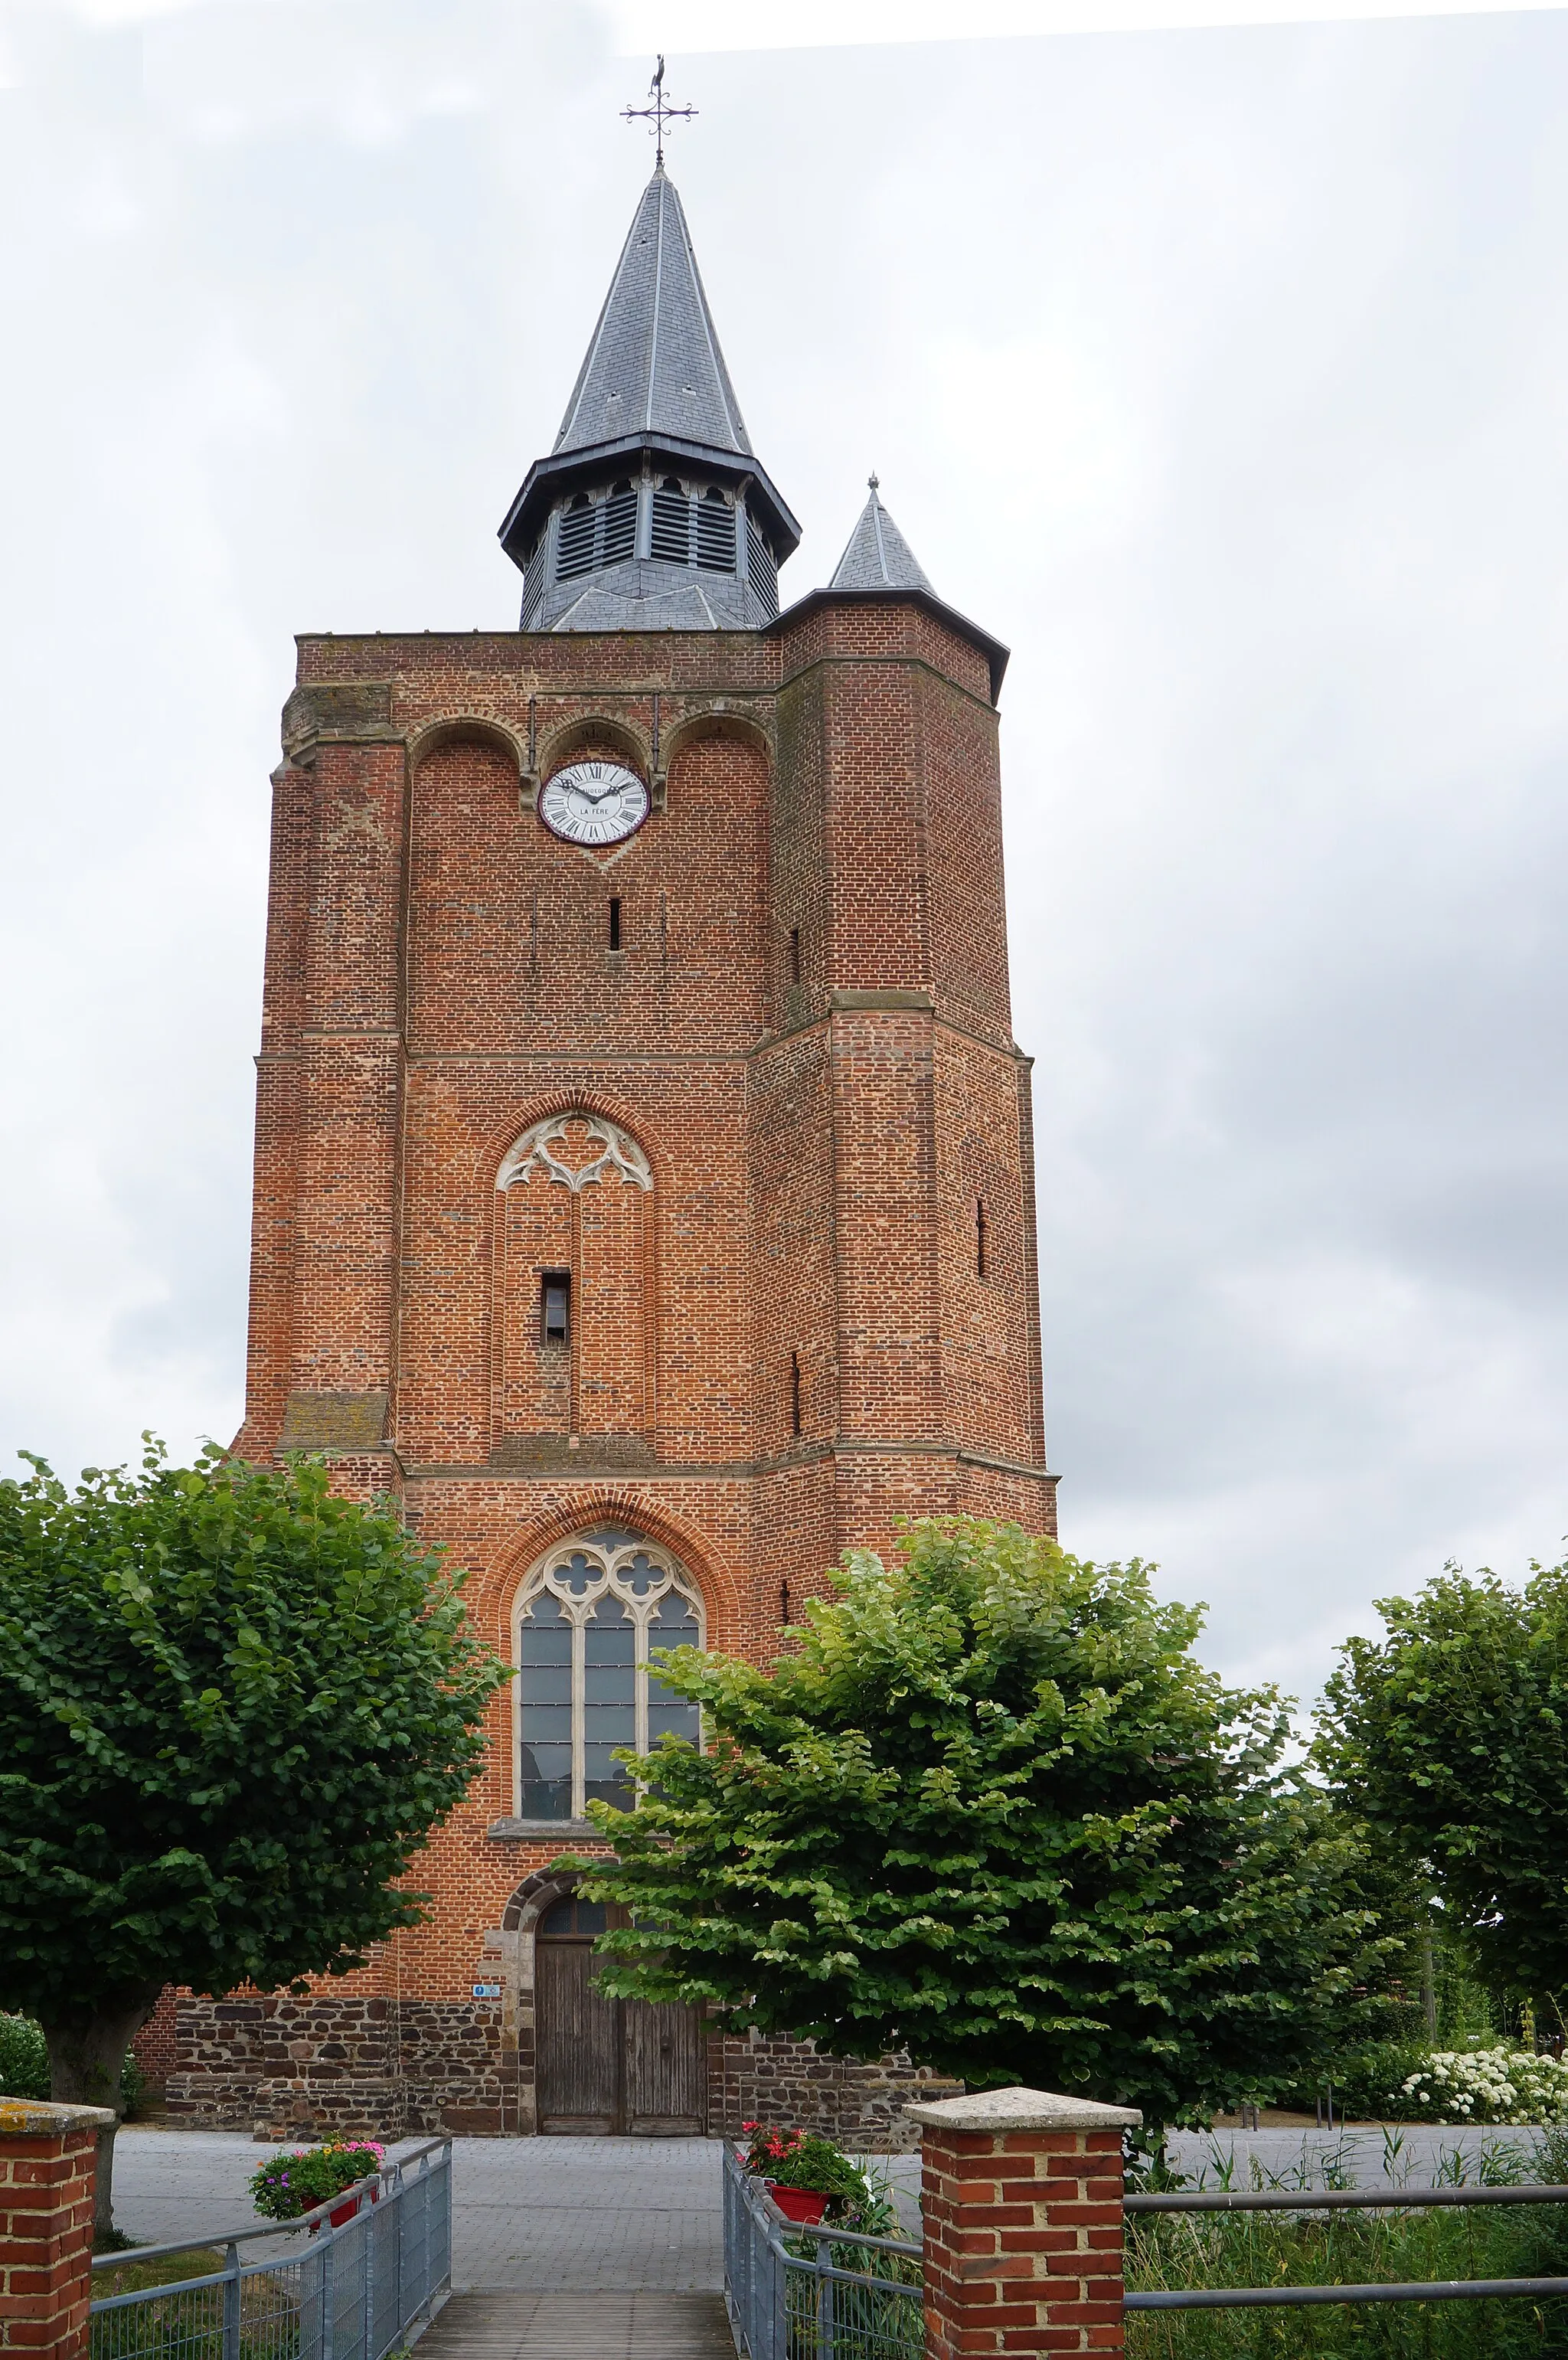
<point x="652" y="511"/>
<point x="653" y="364"/>
<point x="878" y="556"/>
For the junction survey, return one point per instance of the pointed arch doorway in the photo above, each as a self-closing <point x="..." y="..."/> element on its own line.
<point x="608" y="2067"/>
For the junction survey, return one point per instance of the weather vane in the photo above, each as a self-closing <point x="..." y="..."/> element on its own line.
<point x="661" y="112"/>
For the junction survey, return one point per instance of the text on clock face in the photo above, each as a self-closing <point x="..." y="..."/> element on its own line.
<point x="593" y="802"/>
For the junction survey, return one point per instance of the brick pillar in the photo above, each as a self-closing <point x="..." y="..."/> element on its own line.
<point x="1022" y="2195"/>
<point x="47" y="2165"/>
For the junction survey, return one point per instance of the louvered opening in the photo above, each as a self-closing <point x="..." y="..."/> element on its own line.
<point x="620" y="524"/>
<point x="716" y="534"/>
<point x="533" y="588"/>
<point x="574" y="550"/>
<point x="672" y="524"/>
<point x="762" y="572"/>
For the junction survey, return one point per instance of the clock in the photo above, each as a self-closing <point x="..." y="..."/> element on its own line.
<point x="593" y="802"/>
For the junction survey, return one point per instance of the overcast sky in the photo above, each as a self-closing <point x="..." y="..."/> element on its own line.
<point x="1221" y="373"/>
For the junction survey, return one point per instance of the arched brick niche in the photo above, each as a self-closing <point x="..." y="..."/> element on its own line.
<point x="573" y="1357"/>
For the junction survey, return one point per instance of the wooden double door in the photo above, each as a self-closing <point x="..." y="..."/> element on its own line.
<point x="608" y="2066"/>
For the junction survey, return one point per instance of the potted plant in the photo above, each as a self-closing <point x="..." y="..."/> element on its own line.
<point x="294" y="2182"/>
<point x="803" y="2174"/>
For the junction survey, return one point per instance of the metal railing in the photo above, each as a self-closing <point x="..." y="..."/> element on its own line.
<point x="793" y="2296"/>
<point x="348" y="2293"/>
<point x="1333" y="2200"/>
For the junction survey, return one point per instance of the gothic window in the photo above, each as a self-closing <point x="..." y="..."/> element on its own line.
<point x="588" y="1619"/>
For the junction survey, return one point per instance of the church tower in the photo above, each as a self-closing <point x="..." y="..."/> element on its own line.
<point x="644" y="1179"/>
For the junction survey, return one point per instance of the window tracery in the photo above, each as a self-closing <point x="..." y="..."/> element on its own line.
<point x="575" y="1148"/>
<point x="588" y="1617"/>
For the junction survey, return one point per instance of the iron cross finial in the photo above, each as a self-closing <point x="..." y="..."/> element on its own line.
<point x="659" y="113"/>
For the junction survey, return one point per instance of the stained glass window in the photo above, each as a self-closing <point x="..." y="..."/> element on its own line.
<point x="590" y="1617"/>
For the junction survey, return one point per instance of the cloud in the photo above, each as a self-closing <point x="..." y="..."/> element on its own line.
<point x="1221" y="373"/>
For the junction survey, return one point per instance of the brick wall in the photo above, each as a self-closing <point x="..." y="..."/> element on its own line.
<point x="806" y="1032"/>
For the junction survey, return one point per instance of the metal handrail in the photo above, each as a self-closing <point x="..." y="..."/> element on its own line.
<point x="1379" y="2290"/>
<point x="135" y="2256"/>
<point x="1323" y="2200"/>
<point x="1315" y="2200"/>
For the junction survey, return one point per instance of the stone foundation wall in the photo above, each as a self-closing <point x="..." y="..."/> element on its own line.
<point x="298" y="2068"/>
<point x="382" y="2068"/>
<point x="786" y="2083"/>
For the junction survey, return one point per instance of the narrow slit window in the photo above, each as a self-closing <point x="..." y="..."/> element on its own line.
<point x="981" y="1240"/>
<point x="555" y="1307"/>
<point x="794" y="954"/>
<point x="794" y="1392"/>
<point x="615" y="922"/>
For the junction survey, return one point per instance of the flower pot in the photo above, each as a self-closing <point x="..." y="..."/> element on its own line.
<point x="806" y="2205"/>
<point x="341" y="2212"/>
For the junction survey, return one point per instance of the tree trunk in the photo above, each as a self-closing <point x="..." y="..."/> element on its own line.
<point x="87" y="2058"/>
<point x="1429" y="1986"/>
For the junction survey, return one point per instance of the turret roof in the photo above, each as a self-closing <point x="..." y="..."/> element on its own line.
<point x="878" y="556"/>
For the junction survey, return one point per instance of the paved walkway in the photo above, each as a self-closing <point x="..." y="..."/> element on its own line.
<point x="561" y="2215"/>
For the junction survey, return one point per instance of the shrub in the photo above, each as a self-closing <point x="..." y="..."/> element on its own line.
<point x="1485" y="2085"/>
<point x="24" y="2058"/>
<point x="289" y="2184"/>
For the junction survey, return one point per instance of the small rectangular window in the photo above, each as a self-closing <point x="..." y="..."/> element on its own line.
<point x="981" y="1240"/>
<point x="794" y="1392"/>
<point x="794" y="954"/>
<point x="555" y="1307"/>
<point x="615" y="922"/>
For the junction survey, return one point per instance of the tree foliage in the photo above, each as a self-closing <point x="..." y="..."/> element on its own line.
<point x="231" y="1707"/>
<point x="1449" y="1734"/>
<point x="993" y="1811"/>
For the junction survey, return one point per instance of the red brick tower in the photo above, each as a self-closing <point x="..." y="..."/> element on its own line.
<point x="643" y="1185"/>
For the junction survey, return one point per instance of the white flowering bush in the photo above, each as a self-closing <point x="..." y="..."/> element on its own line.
<point x="1486" y="2085"/>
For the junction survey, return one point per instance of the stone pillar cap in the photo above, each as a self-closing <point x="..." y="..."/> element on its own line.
<point x="38" y="2118"/>
<point x="1023" y="2110"/>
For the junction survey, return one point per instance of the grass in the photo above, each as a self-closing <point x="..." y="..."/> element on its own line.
<point x="1286" y="2249"/>
<point x="1179" y="2250"/>
<point x="132" y="2276"/>
<point x="189" y="2326"/>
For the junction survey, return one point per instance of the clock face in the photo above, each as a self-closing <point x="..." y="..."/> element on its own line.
<point x="593" y="802"/>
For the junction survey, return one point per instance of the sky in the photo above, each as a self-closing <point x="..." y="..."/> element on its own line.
<point x="1217" y="367"/>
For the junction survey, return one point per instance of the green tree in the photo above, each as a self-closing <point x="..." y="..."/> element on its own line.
<point x="1450" y="1736"/>
<point x="993" y="1811"/>
<point x="231" y="1707"/>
